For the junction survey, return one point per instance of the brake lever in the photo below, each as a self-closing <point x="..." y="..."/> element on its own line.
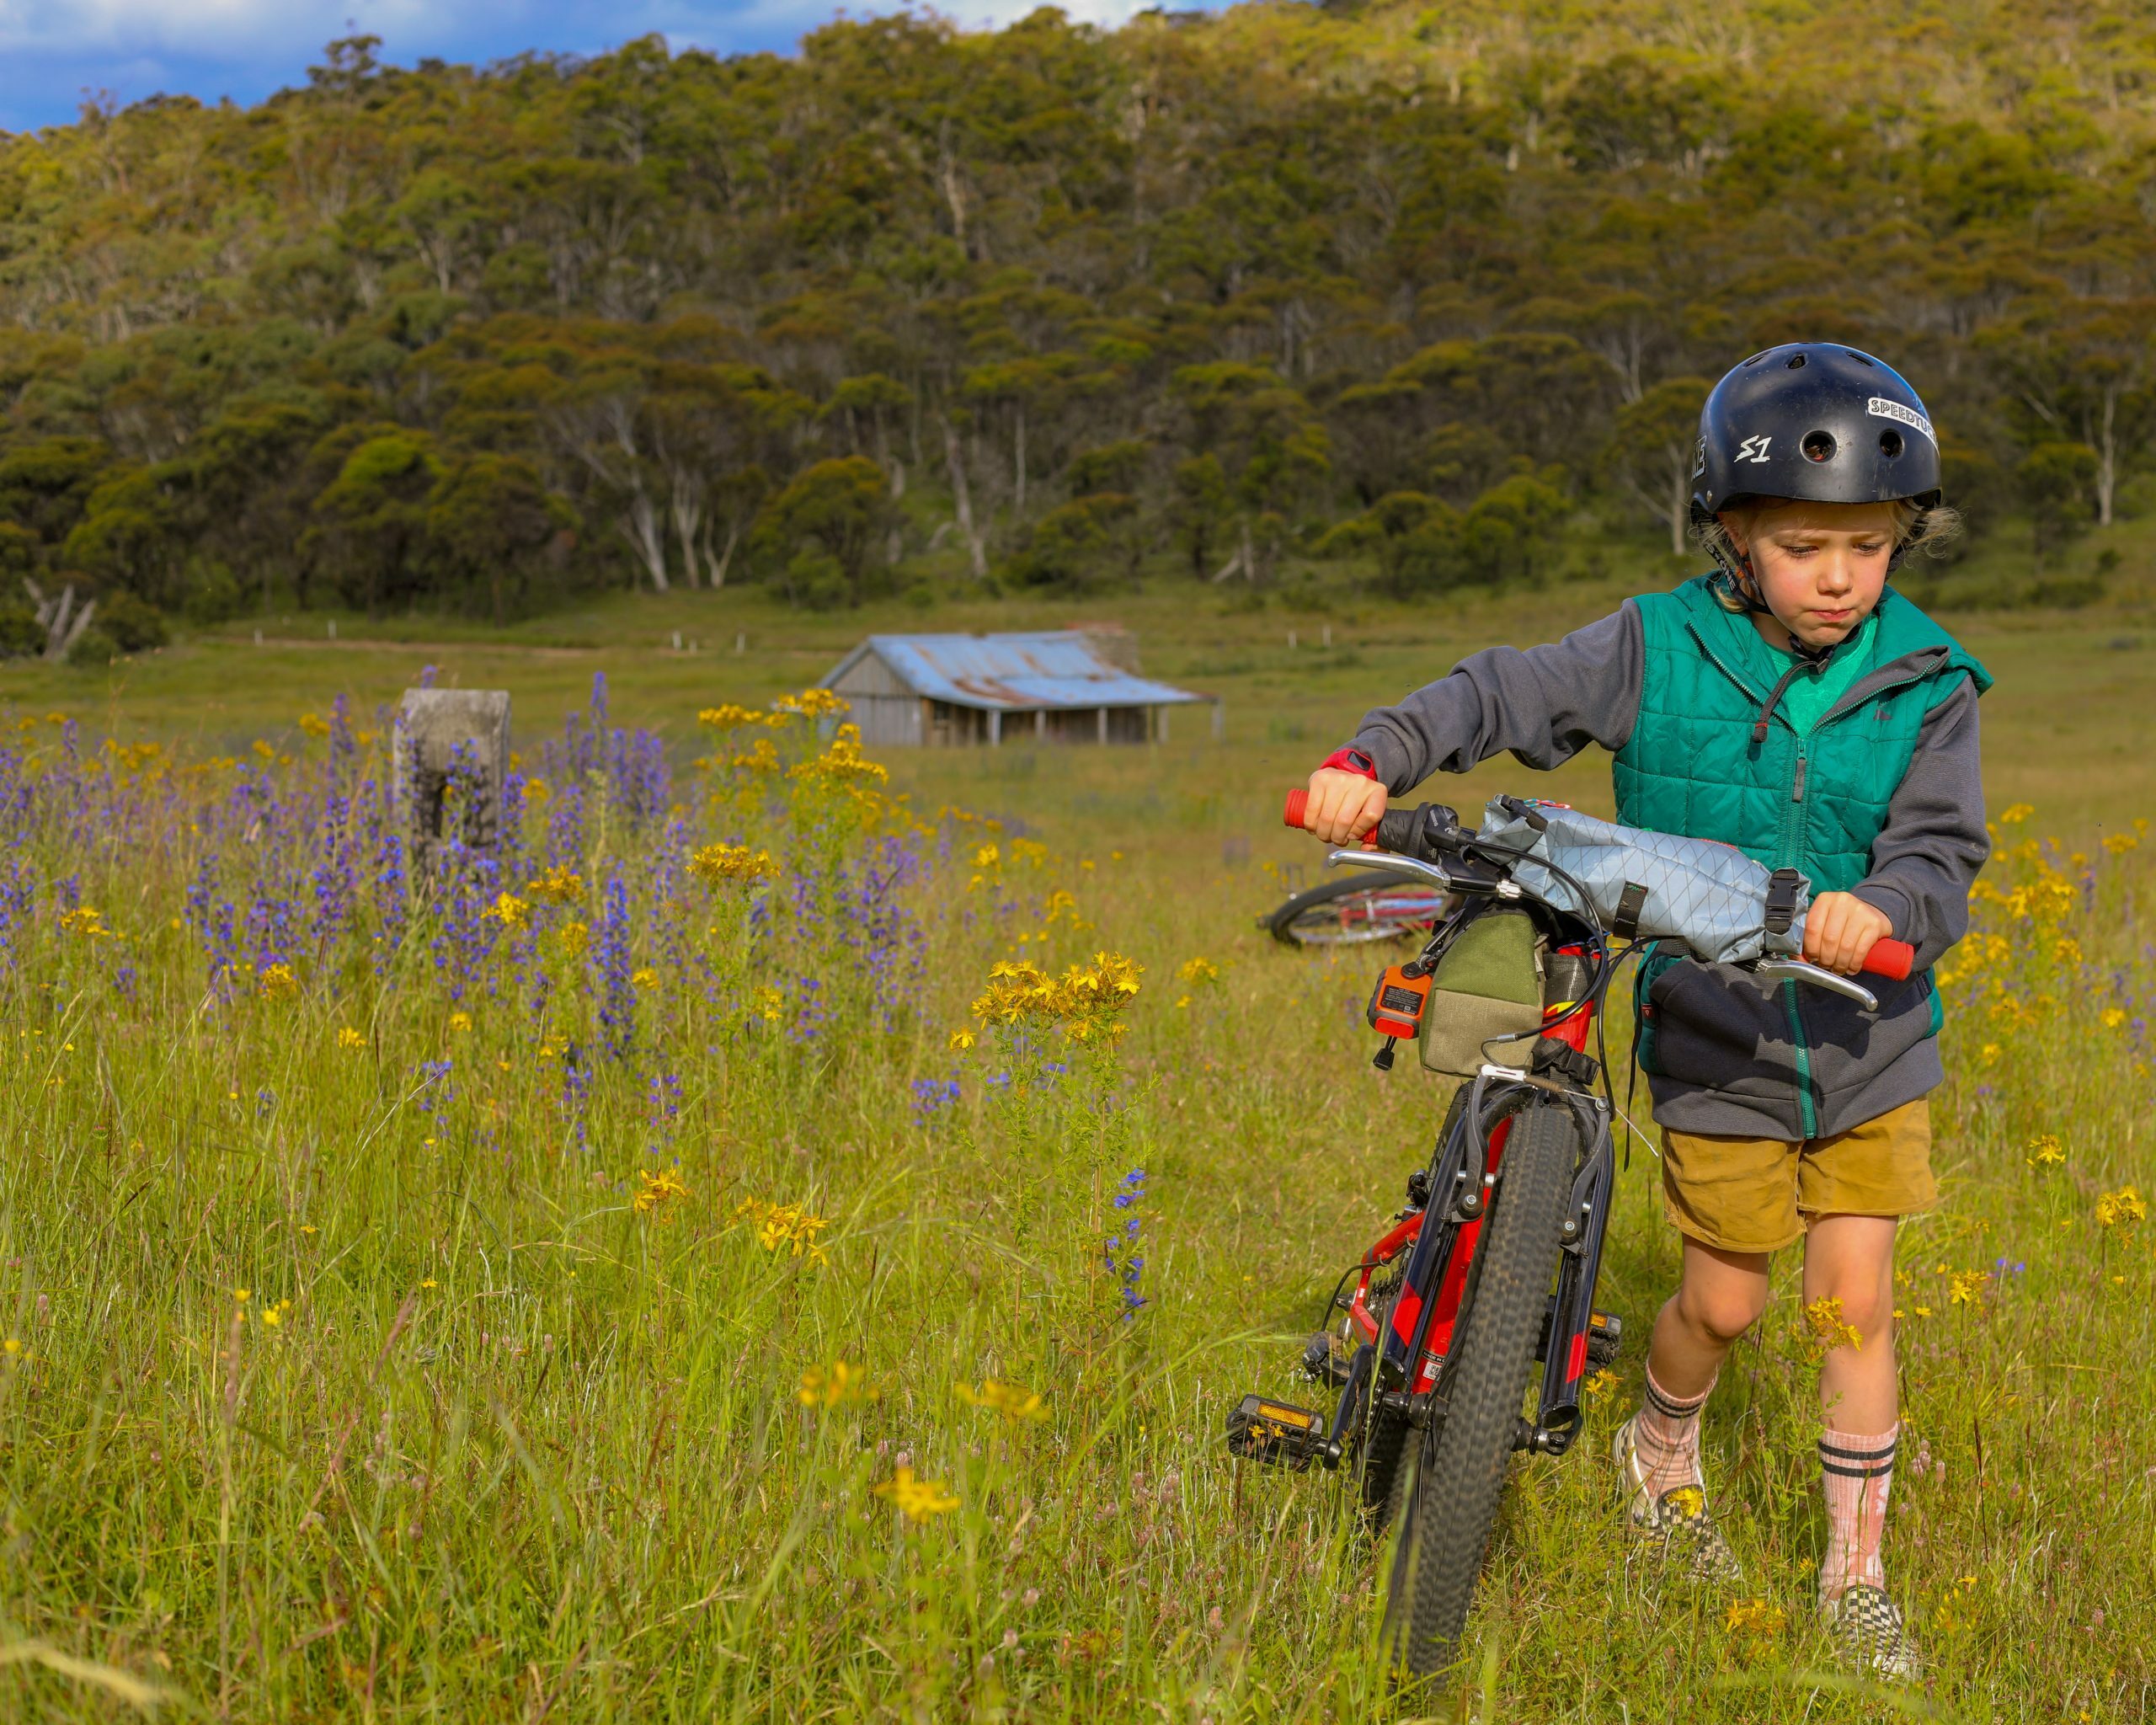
<point x="1391" y="862"/>
<point x="1798" y="970"/>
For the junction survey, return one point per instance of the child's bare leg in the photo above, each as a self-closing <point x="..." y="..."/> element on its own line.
<point x="1851" y="1259"/>
<point x="1720" y="1297"/>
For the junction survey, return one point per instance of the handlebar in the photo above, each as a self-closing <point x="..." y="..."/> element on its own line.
<point x="1892" y="959"/>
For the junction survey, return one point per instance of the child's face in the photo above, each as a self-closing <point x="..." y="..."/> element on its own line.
<point x="1820" y="566"/>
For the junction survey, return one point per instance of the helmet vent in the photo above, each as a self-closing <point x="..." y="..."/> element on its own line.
<point x="1818" y="445"/>
<point x="1796" y="362"/>
<point x="1890" y="444"/>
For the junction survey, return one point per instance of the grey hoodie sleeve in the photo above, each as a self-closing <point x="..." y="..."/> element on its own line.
<point x="1926" y="859"/>
<point x="1545" y="704"/>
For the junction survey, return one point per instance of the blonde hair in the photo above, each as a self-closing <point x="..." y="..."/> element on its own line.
<point x="1917" y="532"/>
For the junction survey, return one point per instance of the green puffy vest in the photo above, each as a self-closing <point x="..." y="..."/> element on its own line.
<point x="1815" y="802"/>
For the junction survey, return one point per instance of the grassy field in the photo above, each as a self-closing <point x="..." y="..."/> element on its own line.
<point x="628" y="1301"/>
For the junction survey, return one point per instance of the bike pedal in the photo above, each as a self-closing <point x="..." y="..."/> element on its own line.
<point x="1605" y="1336"/>
<point x="1275" y="1433"/>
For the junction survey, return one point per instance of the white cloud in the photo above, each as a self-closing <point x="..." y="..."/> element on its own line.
<point x="206" y="29"/>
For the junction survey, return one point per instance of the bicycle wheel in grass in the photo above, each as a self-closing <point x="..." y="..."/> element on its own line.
<point x="1447" y="1511"/>
<point x="1355" y="909"/>
<point x="1385" y="1447"/>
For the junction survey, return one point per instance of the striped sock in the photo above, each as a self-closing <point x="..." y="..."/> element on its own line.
<point x="1666" y="1434"/>
<point x="1857" y="1471"/>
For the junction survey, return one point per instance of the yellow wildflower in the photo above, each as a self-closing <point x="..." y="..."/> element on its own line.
<point x="768" y="1004"/>
<point x="2112" y="1017"/>
<point x="987" y="857"/>
<point x="574" y="938"/>
<point x="263" y="749"/>
<point x="276" y="982"/>
<point x="351" y="1039"/>
<point x="917" y="1499"/>
<point x="12" y="1347"/>
<point x="724" y="863"/>
<point x="314" y="724"/>
<point x="537" y="791"/>
<point x="842" y="762"/>
<point x="1006" y="1399"/>
<point x="2017" y="813"/>
<point x="510" y="912"/>
<point x="1600" y="1384"/>
<point x="2044" y="1149"/>
<point x="785" y="1228"/>
<point x="727" y="716"/>
<point x="460" y="1022"/>
<point x="1823" y="1319"/>
<point x="961" y="1040"/>
<point x="85" y="921"/>
<point x="1197" y="970"/>
<point x="828" y="1386"/>
<point x="661" y="1192"/>
<point x="813" y="703"/>
<point x="2119" y="843"/>
<point x="558" y="885"/>
<point x="2121" y="1209"/>
<point x="645" y="977"/>
<point x="1967" y="1288"/>
<point x="1755" y="1617"/>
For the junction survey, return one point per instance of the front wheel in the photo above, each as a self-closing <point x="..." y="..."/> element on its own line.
<point x="1451" y="1503"/>
<point x="1355" y="909"/>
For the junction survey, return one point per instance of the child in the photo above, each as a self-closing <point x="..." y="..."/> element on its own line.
<point x="1793" y="705"/>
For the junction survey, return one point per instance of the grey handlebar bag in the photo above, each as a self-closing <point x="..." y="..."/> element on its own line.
<point x="1710" y="897"/>
<point x="1486" y="995"/>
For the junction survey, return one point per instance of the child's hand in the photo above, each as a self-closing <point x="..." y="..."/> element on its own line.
<point x="1840" y="929"/>
<point x="1343" y="806"/>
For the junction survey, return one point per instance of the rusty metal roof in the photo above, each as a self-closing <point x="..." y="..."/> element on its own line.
<point x="1049" y="669"/>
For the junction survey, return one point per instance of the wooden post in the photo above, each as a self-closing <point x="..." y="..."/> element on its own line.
<point x="1040" y="724"/>
<point x="1103" y="717"/>
<point x="1219" y="720"/>
<point x="995" y="727"/>
<point x="1162" y="713"/>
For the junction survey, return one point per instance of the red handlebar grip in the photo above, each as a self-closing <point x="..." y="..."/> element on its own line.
<point x="1891" y="959"/>
<point x="1296" y="800"/>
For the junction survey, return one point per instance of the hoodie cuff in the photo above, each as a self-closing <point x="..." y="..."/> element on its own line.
<point x="1890" y="901"/>
<point x="1350" y="759"/>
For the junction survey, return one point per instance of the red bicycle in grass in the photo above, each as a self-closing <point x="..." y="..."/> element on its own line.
<point x="1489" y="1271"/>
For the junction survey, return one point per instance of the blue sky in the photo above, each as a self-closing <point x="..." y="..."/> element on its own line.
<point x="51" y="51"/>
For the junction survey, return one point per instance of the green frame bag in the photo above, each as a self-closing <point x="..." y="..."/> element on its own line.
<point x="1486" y="995"/>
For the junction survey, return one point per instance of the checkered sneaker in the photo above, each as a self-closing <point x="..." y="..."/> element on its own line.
<point x="1866" y="1629"/>
<point x="1678" y="1521"/>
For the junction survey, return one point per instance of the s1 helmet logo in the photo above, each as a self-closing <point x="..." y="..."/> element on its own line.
<point x="1754" y="449"/>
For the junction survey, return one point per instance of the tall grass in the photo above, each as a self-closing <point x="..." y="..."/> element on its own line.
<point x="749" y="1247"/>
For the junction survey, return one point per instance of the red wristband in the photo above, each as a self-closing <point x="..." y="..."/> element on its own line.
<point x="1352" y="760"/>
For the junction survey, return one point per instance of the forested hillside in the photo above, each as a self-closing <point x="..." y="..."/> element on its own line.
<point x="1431" y="293"/>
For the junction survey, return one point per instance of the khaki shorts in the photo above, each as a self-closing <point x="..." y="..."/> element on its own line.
<point x="1759" y="1195"/>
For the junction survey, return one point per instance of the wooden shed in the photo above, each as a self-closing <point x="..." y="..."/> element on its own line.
<point x="1055" y="687"/>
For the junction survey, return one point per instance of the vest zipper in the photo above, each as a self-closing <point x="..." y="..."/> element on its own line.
<point x="1796" y="788"/>
<point x="1808" y="1116"/>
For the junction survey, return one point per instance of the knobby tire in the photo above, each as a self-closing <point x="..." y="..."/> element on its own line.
<point x="1447" y="1512"/>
